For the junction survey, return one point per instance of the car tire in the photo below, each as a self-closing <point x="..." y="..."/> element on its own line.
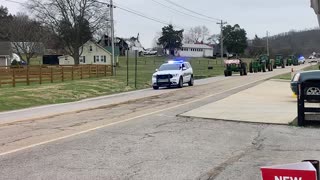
<point x="191" y="82"/>
<point x="180" y="85"/>
<point x="155" y="87"/>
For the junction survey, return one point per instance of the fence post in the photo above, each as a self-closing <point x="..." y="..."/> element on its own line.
<point x="40" y="75"/>
<point x="105" y="70"/>
<point x="72" y="69"/>
<point x="127" y="67"/>
<point x="13" y="78"/>
<point x="97" y="69"/>
<point x="51" y="74"/>
<point x="62" y="71"/>
<point x="90" y="70"/>
<point x="135" y="69"/>
<point x="28" y="80"/>
<point x="81" y="69"/>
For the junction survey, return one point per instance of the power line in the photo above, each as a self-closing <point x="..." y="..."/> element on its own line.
<point x="23" y="4"/>
<point x="138" y="13"/>
<point x="143" y="15"/>
<point x="178" y="5"/>
<point x="181" y="12"/>
<point x="122" y="8"/>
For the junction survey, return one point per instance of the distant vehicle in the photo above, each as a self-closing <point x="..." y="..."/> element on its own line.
<point x="174" y="73"/>
<point x="279" y="61"/>
<point x="307" y="76"/>
<point x="301" y="60"/>
<point x="312" y="57"/>
<point x="235" y="65"/>
<point x="292" y="60"/>
<point x="261" y="64"/>
<point x="150" y="52"/>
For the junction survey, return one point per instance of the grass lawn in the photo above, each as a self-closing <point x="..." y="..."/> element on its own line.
<point x="36" y="95"/>
<point x="24" y="96"/>
<point x="287" y="76"/>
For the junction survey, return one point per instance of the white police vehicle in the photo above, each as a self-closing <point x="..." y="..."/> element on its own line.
<point x="174" y="73"/>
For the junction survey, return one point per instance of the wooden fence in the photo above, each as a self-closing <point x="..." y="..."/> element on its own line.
<point x="13" y="75"/>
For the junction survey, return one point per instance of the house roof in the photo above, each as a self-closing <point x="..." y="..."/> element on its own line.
<point x="199" y="46"/>
<point x="5" y="48"/>
<point x="100" y="46"/>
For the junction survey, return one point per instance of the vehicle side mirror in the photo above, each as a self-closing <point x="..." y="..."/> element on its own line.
<point x="184" y="68"/>
<point x="157" y="70"/>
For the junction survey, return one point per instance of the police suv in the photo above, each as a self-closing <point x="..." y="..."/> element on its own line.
<point x="174" y="73"/>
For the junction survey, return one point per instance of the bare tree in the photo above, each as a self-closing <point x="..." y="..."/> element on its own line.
<point x="74" y="21"/>
<point x="214" y="39"/>
<point x="27" y="37"/>
<point x="198" y="34"/>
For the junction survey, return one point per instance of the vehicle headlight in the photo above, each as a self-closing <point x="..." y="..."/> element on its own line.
<point x="174" y="75"/>
<point x="296" y="77"/>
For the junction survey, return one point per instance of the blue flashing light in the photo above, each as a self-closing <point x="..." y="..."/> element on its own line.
<point x="176" y="61"/>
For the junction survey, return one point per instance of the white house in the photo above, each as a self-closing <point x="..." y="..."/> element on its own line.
<point x="92" y="53"/>
<point x="195" y="50"/>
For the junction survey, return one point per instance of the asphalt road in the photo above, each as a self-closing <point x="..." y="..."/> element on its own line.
<point x="147" y="139"/>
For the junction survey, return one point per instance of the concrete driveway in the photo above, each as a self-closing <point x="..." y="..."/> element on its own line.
<point x="270" y="102"/>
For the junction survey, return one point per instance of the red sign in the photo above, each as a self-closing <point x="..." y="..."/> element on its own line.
<point x="297" y="171"/>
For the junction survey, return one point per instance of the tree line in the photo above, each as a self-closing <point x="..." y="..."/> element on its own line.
<point x="60" y="24"/>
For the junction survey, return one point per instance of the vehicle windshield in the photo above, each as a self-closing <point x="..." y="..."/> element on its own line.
<point x="170" y="67"/>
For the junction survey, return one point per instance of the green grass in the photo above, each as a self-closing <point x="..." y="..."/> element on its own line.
<point x="287" y="76"/>
<point x="23" y="96"/>
<point x="36" y="95"/>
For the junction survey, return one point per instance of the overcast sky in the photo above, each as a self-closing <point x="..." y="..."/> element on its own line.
<point x="255" y="16"/>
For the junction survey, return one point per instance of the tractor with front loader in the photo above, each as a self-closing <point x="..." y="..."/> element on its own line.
<point x="235" y="65"/>
<point x="262" y="64"/>
<point x="279" y="61"/>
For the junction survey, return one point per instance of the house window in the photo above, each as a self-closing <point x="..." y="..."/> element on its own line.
<point x="82" y="59"/>
<point x="97" y="58"/>
<point x="105" y="59"/>
<point x="90" y="48"/>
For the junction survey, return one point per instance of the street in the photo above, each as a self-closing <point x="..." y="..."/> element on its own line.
<point x="147" y="139"/>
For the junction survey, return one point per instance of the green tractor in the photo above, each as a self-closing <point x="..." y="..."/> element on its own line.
<point x="235" y="65"/>
<point x="292" y="60"/>
<point x="279" y="61"/>
<point x="261" y="64"/>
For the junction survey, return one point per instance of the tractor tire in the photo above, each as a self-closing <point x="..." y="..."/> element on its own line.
<point x="245" y="71"/>
<point x="155" y="87"/>
<point x="250" y="68"/>
<point x="180" y="85"/>
<point x="230" y="73"/>
<point x="283" y="66"/>
<point x="263" y="67"/>
<point x="274" y="67"/>
<point x="225" y="73"/>
<point x="241" y="72"/>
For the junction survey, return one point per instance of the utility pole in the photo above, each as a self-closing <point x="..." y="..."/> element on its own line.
<point x="221" y="38"/>
<point x="112" y="37"/>
<point x="268" y="43"/>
